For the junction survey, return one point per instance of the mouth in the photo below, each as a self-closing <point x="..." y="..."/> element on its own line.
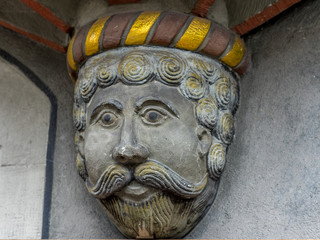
<point x="136" y="192"/>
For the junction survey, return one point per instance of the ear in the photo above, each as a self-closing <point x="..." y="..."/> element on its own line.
<point x="205" y="140"/>
<point x="80" y="163"/>
<point x="79" y="140"/>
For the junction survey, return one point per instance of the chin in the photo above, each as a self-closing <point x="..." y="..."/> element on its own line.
<point x="143" y="212"/>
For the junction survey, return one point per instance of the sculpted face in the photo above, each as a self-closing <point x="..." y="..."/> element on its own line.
<point x="153" y="128"/>
<point x="130" y="125"/>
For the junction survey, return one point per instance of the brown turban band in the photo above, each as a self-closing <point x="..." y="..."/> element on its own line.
<point x="157" y="28"/>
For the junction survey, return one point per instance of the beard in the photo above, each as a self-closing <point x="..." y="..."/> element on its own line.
<point x="164" y="215"/>
<point x="172" y="211"/>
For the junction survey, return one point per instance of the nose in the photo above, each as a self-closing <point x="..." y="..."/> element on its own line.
<point x="128" y="151"/>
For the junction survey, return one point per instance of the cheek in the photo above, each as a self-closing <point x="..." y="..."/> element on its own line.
<point x="175" y="145"/>
<point x="98" y="147"/>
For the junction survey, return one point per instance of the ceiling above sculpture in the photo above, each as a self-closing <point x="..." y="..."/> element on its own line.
<point x="52" y="22"/>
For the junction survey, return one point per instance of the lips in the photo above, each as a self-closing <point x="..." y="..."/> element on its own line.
<point x="136" y="192"/>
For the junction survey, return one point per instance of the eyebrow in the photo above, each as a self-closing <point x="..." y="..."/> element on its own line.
<point x="113" y="103"/>
<point x="149" y="100"/>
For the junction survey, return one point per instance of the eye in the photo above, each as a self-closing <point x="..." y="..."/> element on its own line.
<point x="154" y="116"/>
<point x="108" y="119"/>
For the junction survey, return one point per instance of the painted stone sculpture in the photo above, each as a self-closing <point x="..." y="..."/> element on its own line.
<point x="153" y="120"/>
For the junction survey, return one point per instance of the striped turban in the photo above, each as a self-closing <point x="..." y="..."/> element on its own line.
<point x="157" y="28"/>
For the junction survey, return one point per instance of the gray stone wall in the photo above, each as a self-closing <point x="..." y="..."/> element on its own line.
<point x="270" y="187"/>
<point x="22" y="156"/>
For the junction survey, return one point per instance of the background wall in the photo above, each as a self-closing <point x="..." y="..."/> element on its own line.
<point x="22" y="155"/>
<point x="270" y="187"/>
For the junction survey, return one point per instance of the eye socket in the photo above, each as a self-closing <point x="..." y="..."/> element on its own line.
<point x="108" y="119"/>
<point x="154" y="116"/>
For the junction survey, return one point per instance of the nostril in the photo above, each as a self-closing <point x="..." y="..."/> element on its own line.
<point x="120" y="158"/>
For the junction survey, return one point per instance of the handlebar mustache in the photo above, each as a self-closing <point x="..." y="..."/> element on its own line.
<point x="151" y="173"/>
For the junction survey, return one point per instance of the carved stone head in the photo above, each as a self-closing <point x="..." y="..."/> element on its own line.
<point x="153" y="126"/>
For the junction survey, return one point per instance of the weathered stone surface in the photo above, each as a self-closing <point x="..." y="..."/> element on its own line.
<point x="270" y="187"/>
